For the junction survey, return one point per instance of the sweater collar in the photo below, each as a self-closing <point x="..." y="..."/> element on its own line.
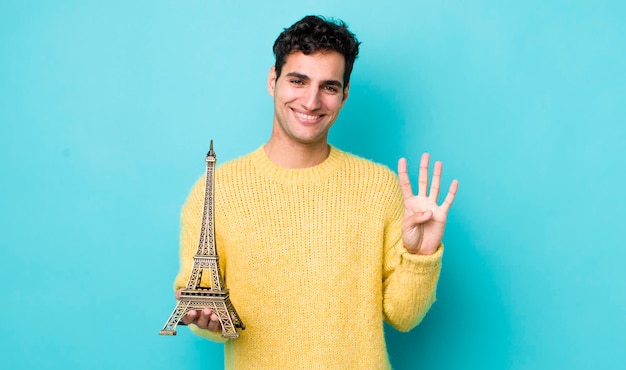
<point x="310" y="175"/>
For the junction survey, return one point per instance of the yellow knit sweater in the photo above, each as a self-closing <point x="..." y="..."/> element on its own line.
<point x="314" y="262"/>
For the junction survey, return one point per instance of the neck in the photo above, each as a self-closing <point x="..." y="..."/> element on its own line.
<point x="291" y="155"/>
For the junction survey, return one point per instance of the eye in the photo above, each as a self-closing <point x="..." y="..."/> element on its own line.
<point x="332" y="89"/>
<point x="296" y="82"/>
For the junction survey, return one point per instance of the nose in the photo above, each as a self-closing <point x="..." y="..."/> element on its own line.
<point x="312" y="99"/>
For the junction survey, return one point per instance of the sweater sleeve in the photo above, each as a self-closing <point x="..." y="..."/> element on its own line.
<point x="191" y="220"/>
<point x="409" y="280"/>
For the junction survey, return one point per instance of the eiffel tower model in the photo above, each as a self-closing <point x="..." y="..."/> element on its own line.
<point x="206" y="261"/>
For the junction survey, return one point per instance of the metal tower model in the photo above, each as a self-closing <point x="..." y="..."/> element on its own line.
<point x="206" y="261"/>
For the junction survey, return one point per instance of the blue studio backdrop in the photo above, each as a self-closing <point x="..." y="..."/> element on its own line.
<point x="107" y="109"/>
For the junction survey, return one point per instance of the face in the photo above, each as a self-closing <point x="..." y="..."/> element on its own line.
<point x="308" y="96"/>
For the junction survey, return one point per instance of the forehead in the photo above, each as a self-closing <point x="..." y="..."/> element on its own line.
<point x="322" y="65"/>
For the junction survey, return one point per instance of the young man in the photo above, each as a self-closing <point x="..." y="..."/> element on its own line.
<point x="318" y="247"/>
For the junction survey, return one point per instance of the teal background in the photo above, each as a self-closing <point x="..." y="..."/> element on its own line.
<point x="107" y="109"/>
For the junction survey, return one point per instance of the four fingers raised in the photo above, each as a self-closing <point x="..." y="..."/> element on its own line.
<point x="422" y="182"/>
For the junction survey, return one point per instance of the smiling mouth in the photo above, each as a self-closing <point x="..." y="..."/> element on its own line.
<point x="306" y="117"/>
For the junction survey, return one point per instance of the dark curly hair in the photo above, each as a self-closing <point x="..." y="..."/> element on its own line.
<point x="315" y="33"/>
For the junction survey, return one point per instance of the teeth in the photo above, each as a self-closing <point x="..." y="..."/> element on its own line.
<point x="306" y="116"/>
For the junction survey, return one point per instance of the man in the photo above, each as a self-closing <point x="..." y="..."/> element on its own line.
<point x="318" y="247"/>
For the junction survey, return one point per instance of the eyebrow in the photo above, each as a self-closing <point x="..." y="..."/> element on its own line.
<point x="306" y="78"/>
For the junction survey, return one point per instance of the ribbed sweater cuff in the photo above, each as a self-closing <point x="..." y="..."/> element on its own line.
<point x="420" y="263"/>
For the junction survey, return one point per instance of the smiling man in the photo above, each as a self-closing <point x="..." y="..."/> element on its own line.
<point x="308" y="95"/>
<point x="318" y="247"/>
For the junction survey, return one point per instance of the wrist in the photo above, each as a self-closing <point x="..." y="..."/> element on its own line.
<point x="423" y="251"/>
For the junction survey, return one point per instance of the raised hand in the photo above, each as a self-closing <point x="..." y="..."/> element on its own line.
<point x="424" y="221"/>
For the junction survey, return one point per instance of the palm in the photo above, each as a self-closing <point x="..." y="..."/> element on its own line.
<point x="424" y="220"/>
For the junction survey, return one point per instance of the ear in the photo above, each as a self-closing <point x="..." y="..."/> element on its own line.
<point x="271" y="81"/>
<point x="345" y="93"/>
